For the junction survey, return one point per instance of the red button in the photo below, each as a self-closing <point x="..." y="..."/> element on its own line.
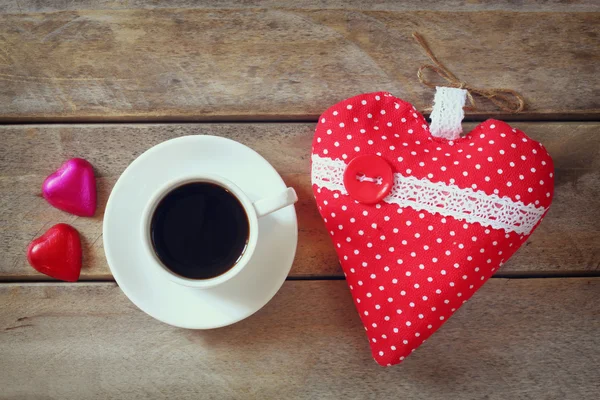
<point x="368" y="179"/>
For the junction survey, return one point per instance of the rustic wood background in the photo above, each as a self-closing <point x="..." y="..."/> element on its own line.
<point x="107" y="79"/>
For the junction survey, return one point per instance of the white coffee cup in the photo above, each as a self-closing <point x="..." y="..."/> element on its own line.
<point x="253" y="210"/>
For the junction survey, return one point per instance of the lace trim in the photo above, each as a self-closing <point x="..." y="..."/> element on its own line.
<point x="447" y="113"/>
<point x="437" y="197"/>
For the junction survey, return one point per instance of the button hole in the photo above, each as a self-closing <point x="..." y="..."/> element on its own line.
<point x="363" y="178"/>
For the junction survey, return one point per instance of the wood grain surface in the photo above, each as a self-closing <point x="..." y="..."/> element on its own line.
<point x="24" y="6"/>
<point x="260" y="72"/>
<point x="567" y="242"/>
<point x="251" y="63"/>
<point x="515" y="339"/>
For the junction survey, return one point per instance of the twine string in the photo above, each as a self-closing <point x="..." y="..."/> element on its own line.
<point x="505" y="99"/>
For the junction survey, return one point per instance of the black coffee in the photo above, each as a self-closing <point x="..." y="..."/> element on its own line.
<point x="199" y="230"/>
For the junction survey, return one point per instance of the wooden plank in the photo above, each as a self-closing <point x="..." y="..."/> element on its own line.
<point x="516" y="339"/>
<point x="280" y="64"/>
<point x="19" y="7"/>
<point x="567" y="241"/>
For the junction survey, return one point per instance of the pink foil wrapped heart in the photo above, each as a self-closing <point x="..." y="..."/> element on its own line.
<point x="72" y="188"/>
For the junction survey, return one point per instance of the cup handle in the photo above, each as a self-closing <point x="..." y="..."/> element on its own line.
<point x="271" y="204"/>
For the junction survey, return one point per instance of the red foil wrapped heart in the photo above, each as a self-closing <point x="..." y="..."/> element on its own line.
<point x="57" y="253"/>
<point x="456" y="211"/>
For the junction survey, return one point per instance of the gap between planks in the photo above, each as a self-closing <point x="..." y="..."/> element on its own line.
<point x="32" y="279"/>
<point x="593" y="116"/>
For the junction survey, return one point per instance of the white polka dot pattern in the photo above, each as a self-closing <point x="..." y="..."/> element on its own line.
<point x="409" y="270"/>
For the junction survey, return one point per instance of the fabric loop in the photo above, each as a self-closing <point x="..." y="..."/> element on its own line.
<point x="505" y="99"/>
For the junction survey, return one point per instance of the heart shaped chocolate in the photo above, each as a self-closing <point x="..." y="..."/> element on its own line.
<point x="419" y="223"/>
<point x="72" y="188"/>
<point x="57" y="253"/>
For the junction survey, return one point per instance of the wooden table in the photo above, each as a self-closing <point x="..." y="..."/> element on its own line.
<point x="106" y="80"/>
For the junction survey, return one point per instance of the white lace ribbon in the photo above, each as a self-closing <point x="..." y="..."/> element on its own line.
<point x="463" y="204"/>
<point x="447" y="113"/>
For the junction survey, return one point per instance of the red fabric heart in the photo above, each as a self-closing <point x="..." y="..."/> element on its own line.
<point x="57" y="253"/>
<point x="457" y="211"/>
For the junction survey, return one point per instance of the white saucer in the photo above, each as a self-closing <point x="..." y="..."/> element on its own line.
<point x="184" y="306"/>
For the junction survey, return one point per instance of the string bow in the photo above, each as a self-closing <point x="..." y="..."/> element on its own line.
<point x="506" y="99"/>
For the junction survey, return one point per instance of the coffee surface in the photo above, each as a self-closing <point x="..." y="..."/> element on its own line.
<point x="199" y="230"/>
